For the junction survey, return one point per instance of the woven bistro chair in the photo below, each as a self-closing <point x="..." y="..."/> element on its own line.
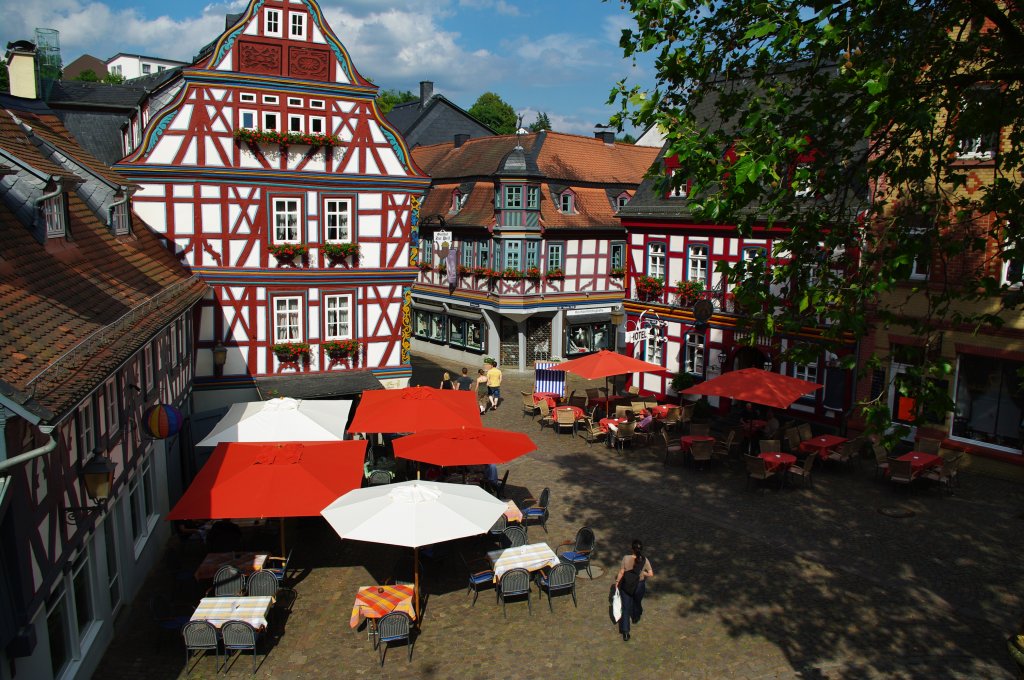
<point x="700" y="429"/>
<point x="200" y="636"/>
<point x="944" y="475"/>
<point x="803" y="471"/>
<point x="793" y="440"/>
<point x="702" y="452"/>
<point x="529" y="405"/>
<point x="565" y="418"/>
<point x="514" y="583"/>
<point x="805" y="431"/>
<point x="624" y="434"/>
<point x="546" y="417"/>
<point x="881" y="460"/>
<point x="848" y="452"/>
<point x="239" y="636"/>
<point x="378" y="478"/>
<point x="590" y="431"/>
<point x="769" y="446"/>
<point x="561" y="578"/>
<point x="673" y="419"/>
<point x="757" y="470"/>
<point x="901" y="472"/>
<point x="577" y="400"/>
<point x="671" y="448"/>
<point x="928" y="445"/>
<point x="723" y="450"/>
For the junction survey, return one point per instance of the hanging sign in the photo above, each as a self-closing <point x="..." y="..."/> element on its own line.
<point x="442" y="238"/>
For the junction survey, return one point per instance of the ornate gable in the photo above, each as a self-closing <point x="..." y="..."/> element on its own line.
<point x="283" y="38"/>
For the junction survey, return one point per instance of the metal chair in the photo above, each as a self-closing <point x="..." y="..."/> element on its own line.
<point x="582" y="550"/>
<point x="499" y="488"/>
<point x="516" y="536"/>
<point x="480" y="574"/>
<point x="200" y="636"/>
<point x="164" y="617"/>
<point x="539" y="510"/>
<point x="378" y="478"/>
<point x="278" y="566"/>
<point x="262" y="583"/>
<point x="240" y="636"/>
<point x="393" y="627"/>
<point x="514" y="583"/>
<point x="497" y="529"/>
<point x="561" y="578"/>
<point x="227" y="582"/>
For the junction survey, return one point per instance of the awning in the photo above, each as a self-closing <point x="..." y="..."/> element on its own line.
<point x="465" y="314"/>
<point x="587" y="318"/>
<point x="424" y="307"/>
<point x="319" y="385"/>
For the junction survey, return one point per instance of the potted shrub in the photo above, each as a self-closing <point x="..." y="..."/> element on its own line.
<point x="681" y="381"/>
<point x="555" y="274"/>
<point x="649" y="288"/>
<point x="689" y="291"/>
<point x="291" y="351"/>
<point x="287" y="253"/>
<point x="341" y="349"/>
<point x="336" y="252"/>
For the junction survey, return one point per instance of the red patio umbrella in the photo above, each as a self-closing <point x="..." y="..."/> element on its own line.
<point x="290" y="479"/>
<point x="757" y="386"/>
<point x="605" y="364"/>
<point x="413" y="409"/>
<point x="464" y="446"/>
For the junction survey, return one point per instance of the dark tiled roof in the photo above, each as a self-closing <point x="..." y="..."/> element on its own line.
<point x="119" y="97"/>
<point x="72" y="310"/>
<point x="437" y="122"/>
<point x="318" y="385"/>
<point x="97" y="132"/>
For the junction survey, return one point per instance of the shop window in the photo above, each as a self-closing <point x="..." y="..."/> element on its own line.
<point x="474" y="335"/>
<point x="456" y="331"/>
<point x="589" y="337"/>
<point x="421" y="323"/>
<point x="437" y="327"/>
<point x="989" y="401"/>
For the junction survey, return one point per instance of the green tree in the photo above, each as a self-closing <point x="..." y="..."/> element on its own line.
<point x="627" y="138"/>
<point x="113" y="78"/>
<point x="494" y="112"/>
<point x="87" y="76"/>
<point x="873" y="107"/>
<point x="542" y="123"/>
<point x="389" y="99"/>
<point x="5" y="86"/>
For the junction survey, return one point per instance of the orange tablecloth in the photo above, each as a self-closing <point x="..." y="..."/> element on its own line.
<point x="604" y="422"/>
<point x="752" y="427"/>
<point x="577" y="412"/>
<point x="660" y="411"/>
<point x="822" y="444"/>
<point x="531" y="557"/>
<point x="513" y="513"/>
<point x="688" y="439"/>
<point x="373" y="602"/>
<point x="921" y="461"/>
<point x="774" y="460"/>
<point x="551" y="398"/>
<point x="220" y="610"/>
<point x="246" y="562"/>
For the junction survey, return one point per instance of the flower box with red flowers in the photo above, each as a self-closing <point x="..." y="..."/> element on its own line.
<point x="618" y="272"/>
<point x="479" y="271"/>
<point x="533" y="273"/>
<point x="555" y="274"/>
<point x="341" y="349"/>
<point x="649" y="288"/>
<point x="511" y="274"/>
<point x="290" y="351"/>
<point x="426" y="267"/>
<point x="689" y="291"/>
<point x="288" y="252"/>
<point x="464" y="270"/>
<point x="339" y="251"/>
<point x="284" y="138"/>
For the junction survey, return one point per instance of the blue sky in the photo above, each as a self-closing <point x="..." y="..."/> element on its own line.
<point x="557" y="56"/>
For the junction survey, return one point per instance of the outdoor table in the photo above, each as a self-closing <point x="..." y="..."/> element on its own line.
<point x="606" y="402"/>
<point x="611" y="423"/>
<point x="246" y="562"/>
<point x="513" y="513"/>
<point x="531" y="557"/>
<point x="687" y="440"/>
<point x="373" y="602"/>
<point x="660" y="411"/>
<point x="774" y="460"/>
<point x="921" y="461"/>
<point x="822" y="444"/>
<point x="752" y="427"/>
<point x="551" y="397"/>
<point x="220" y="610"/>
<point x="577" y="412"/>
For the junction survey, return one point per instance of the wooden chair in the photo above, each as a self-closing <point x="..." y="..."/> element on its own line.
<point x="546" y="417"/>
<point x="928" y="445"/>
<point x="769" y="446"/>
<point x="700" y="429"/>
<point x="901" y="472"/>
<point x="565" y="418"/>
<point x="804" y="471"/>
<point x="624" y="434"/>
<point x="701" y="452"/>
<point x="881" y="460"/>
<point x="805" y="431"/>
<point x="793" y="440"/>
<point x="670" y="448"/>
<point x="590" y="430"/>
<point x="530" y="407"/>
<point x="757" y="470"/>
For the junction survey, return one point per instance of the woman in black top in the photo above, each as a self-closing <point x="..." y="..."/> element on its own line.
<point x="446" y="382"/>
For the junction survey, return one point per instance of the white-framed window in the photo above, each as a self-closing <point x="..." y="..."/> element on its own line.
<point x="147" y="69"/>
<point x="556" y="256"/>
<point x="987" y="407"/>
<point x="512" y="254"/>
<point x="86" y="429"/>
<point x="697" y="263"/>
<point x="295" y="122"/>
<point x="617" y="255"/>
<point x="286" y="220"/>
<point x="70" y="612"/>
<point x="566" y="202"/>
<point x="513" y="197"/>
<point x="654" y="350"/>
<point x="111" y="405"/>
<point x="316" y="104"/>
<point x="113" y="562"/>
<point x="681" y="191"/>
<point x="115" y="70"/>
<point x="270" y="99"/>
<point x="656" y="260"/>
<point x="297" y="22"/>
<point x="121" y="219"/>
<point x="337" y="317"/>
<point x="807" y="372"/>
<point x="247" y="119"/>
<point x="142" y="503"/>
<point x="53" y="216"/>
<point x="172" y="346"/>
<point x="317" y="125"/>
<point x="922" y="259"/>
<point x="337" y="220"/>
<point x="693" y="353"/>
<point x="272" y="23"/>
<point x="533" y="197"/>
<point x="1013" y="272"/>
<point x="753" y="253"/>
<point x="288" y="319"/>
<point x="270" y="120"/>
<point x="294" y="101"/>
<point x="247" y="98"/>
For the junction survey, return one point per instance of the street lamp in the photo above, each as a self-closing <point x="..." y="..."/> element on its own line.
<point x="98" y="477"/>
<point x="618" y="315"/>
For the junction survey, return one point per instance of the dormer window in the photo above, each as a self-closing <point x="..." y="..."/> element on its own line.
<point x="803" y="187"/>
<point x="54" y="217"/>
<point x="298" y="24"/>
<point x="121" y="218"/>
<point x="567" y="202"/>
<point x="513" y="197"/>
<point x="458" y="201"/>
<point x="622" y="200"/>
<point x="272" y="23"/>
<point x="674" y="191"/>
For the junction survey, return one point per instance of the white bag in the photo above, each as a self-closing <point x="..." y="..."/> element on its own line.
<point x="616" y="605"/>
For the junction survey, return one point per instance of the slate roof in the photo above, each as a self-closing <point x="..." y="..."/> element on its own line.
<point x="596" y="173"/>
<point x="72" y="310"/>
<point x="319" y="385"/>
<point x="436" y="123"/>
<point x="107" y="96"/>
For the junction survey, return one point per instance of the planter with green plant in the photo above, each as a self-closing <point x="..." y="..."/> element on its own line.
<point x="689" y="292"/>
<point x="291" y="351"/>
<point x="649" y="288"/>
<point x="341" y="349"/>
<point x="288" y="253"/>
<point x="618" y="272"/>
<point x="555" y="274"/>
<point x="338" y="252"/>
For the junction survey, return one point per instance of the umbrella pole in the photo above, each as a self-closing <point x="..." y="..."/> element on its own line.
<point x="283" y="553"/>
<point x="416" y="584"/>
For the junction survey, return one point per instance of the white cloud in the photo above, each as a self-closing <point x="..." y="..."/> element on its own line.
<point x="573" y="124"/>
<point x="499" y="6"/>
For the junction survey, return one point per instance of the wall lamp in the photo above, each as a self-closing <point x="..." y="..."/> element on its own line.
<point x="98" y="476"/>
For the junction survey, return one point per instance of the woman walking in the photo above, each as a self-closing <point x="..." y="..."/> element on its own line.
<point x="446" y="381"/>
<point x="632" y="584"/>
<point x="481" y="390"/>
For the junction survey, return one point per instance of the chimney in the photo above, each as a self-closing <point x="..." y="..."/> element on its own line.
<point x="605" y="136"/>
<point x="426" y="92"/>
<point x="461" y="139"/>
<point x="21" y="69"/>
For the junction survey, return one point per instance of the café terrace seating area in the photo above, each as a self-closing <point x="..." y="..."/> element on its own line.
<point x="269" y="596"/>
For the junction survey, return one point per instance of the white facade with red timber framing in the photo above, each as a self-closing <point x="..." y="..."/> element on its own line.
<point x="265" y="165"/>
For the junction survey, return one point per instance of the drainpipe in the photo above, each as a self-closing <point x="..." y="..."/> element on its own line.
<point x="53" y="194"/>
<point x="34" y="453"/>
<point x="113" y="206"/>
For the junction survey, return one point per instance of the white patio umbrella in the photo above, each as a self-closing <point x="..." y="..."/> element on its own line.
<point x="413" y="514"/>
<point x="282" y="419"/>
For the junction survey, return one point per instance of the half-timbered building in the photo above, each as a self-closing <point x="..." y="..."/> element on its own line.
<point x="536" y="261"/>
<point x="270" y="172"/>
<point x="95" y="327"/>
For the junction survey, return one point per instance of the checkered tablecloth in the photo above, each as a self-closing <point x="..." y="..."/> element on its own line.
<point x="513" y="513"/>
<point x="246" y="562"/>
<point x="220" y="610"/>
<point x="373" y="602"/>
<point x="530" y="557"/>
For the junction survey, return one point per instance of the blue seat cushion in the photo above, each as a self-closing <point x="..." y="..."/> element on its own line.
<point x="572" y="556"/>
<point x="392" y="638"/>
<point x="534" y="511"/>
<point x="485" y="577"/>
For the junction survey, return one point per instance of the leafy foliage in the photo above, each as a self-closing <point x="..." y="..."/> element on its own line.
<point x="389" y="99"/>
<point x="542" y="123"/>
<point x="494" y="112"/>
<point x="869" y="131"/>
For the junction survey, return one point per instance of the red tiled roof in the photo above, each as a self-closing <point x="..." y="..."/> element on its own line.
<point x="588" y="159"/>
<point x="91" y="286"/>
